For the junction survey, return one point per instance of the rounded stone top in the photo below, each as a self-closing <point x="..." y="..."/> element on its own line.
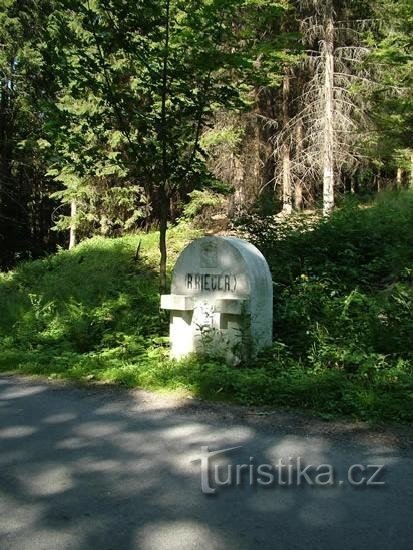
<point x="223" y="266"/>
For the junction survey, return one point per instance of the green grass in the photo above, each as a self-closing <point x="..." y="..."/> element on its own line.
<point x="343" y="315"/>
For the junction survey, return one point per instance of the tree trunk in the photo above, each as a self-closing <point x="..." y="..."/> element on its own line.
<point x="378" y="178"/>
<point x="399" y="178"/>
<point x="286" y="164"/>
<point x="411" y="170"/>
<point x="6" y="154"/>
<point x="104" y="225"/>
<point x="328" y="148"/>
<point x="72" y="236"/>
<point x="163" y="226"/>
<point x="298" y="186"/>
<point x="163" y="196"/>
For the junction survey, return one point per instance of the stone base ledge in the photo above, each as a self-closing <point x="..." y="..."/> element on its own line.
<point x="177" y="302"/>
<point x="232" y="306"/>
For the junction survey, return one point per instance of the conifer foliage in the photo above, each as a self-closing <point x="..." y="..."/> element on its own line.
<point x="113" y="111"/>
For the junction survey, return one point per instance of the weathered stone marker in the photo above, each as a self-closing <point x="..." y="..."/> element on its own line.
<point x="221" y="300"/>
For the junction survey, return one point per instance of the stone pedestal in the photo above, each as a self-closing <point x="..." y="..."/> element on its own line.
<point x="220" y="301"/>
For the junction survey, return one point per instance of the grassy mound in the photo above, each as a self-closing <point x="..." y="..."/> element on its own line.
<point x="343" y="315"/>
<point x="88" y="311"/>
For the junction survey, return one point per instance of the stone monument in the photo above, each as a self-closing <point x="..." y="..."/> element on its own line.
<point x="220" y="301"/>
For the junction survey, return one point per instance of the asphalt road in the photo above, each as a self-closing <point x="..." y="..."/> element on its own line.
<point x="105" y="469"/>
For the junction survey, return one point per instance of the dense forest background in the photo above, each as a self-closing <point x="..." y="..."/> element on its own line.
<point x="114" y="113"/>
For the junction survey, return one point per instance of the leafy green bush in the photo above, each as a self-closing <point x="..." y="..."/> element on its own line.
<point x="206" y="209"/>
<point x="199" y="200"/>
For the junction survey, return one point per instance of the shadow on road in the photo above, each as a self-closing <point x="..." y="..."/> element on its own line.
<point x="96" y="469"/>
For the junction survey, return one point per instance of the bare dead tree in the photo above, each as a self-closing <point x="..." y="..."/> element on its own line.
<point x="285" y="153"/>
<point x="72" y="229"/>
<point x="322" y="136"/>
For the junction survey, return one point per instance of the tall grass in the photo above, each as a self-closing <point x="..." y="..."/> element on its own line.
<point x="343" y="315"/>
